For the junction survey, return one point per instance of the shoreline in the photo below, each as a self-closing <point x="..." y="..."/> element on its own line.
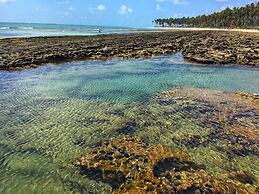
<point x="217" y="47"/>
<point x="207" y="29"/>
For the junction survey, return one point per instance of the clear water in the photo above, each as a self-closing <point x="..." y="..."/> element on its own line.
<point x="10" y="30"/>
<point x="52" y="115"/>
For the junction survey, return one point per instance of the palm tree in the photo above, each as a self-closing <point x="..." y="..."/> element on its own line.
<point x="241" y="17"/>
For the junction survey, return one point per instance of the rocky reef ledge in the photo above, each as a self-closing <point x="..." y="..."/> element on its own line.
<point x="202" y="47"/>
<point x="131" y="166"/>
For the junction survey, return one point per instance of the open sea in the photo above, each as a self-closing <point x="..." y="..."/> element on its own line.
<point x="10" y="30"/>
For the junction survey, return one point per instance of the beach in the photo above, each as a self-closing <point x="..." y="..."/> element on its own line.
<point x="207" y="29"/>
<point x="209" y="47"/>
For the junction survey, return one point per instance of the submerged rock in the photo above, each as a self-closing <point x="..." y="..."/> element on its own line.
<point x="243" y="177"/>
<point x="230" y="118"/>
<point x="127" y="164"/>
<point x="130" y="166"/>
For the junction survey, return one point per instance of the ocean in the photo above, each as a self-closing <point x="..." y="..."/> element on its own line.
<point x="11" y="30"/>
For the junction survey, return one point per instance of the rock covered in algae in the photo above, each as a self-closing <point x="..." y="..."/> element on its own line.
<point x="231" y="118"/>
<point x="245" y="95"/>
<point x="130" y="166"/>
<point x="200" y="182"/>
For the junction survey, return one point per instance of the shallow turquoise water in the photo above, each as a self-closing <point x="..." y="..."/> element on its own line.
<point x="125" y="80"/>
<point x="47" y="112"/>
<point x="11" y="30"/>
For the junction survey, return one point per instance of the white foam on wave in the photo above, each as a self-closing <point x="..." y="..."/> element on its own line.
<point x="26" y="28"/>
<point x="4" y="28"/>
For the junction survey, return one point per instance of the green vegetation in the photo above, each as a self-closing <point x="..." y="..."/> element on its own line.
<point x="242" y="17"/>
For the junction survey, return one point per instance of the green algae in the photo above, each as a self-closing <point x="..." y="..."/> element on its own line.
<point x="130" y="166"/>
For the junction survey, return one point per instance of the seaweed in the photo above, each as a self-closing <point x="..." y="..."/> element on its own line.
<point x="130" y="166"/>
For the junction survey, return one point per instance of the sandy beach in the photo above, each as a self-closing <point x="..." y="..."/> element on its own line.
<point x="207" y="29"/>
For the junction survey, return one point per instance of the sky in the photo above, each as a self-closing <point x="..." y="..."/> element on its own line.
<point x="130" y="13"/>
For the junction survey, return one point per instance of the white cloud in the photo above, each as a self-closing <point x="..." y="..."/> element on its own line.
<point x="225" y="7"/>
<point x="180" y="2"/>
<point x="125" y="10"/>
<point x="91" y="9"/>
<point x="177" y="2"/>
<point x="62" y="2"/>
<point x="98" y="8"/>
<point x="71" y="8"/>
<point x="158" y="7"/>
<point x="101" y="8"/>
<point x="6" y="1"/>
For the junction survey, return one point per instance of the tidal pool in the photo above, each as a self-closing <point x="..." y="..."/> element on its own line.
<point x="52" y="115"/>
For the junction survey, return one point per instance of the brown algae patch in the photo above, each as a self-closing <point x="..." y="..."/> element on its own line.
<point x="131" y="166"/>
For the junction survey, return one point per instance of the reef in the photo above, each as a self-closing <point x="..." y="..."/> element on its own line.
<point x="231" y="118"/>
<point x="202" y="47"/>
<point x="131" y="166"/>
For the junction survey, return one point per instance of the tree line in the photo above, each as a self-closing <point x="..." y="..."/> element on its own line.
<point x="237" y="17"/>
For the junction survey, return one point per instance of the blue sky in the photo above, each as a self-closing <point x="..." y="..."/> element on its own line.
<point x="107" y="12"/>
